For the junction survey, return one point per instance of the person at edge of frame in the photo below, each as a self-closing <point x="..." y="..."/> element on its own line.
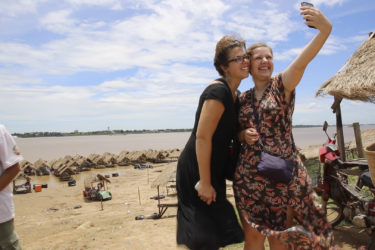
<point x="9" y="168"/>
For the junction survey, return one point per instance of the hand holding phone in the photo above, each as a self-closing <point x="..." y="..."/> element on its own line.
<point x="310" y="5"/>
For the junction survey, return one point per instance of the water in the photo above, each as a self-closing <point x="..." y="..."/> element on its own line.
<point x="49" y="148"/>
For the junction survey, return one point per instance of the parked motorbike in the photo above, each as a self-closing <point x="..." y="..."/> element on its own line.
<point x="341" y="200"/>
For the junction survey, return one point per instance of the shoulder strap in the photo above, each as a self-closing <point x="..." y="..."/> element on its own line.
<point x="232" y="105"/>
<point x="257" y="124"/>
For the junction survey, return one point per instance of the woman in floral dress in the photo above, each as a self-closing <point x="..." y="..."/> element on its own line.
<point x="266" y="207"/>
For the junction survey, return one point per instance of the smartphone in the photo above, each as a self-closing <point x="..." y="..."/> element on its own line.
<point x="311" y="5"/>
<point x="307" y="4"/>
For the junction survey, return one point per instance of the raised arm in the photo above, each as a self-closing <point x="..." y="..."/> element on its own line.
<point x="293" y="73"/>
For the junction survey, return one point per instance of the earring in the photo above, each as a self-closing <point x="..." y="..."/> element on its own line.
<point x="227" y="78"/>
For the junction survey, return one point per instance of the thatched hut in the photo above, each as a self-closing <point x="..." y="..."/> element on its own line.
<point x="64" y="173"/>
<point x="154" y="156"/>
<point x="29" y="170"/>
<point x="24" y="164"/>
<point x="137" y="157"/>
<point x="42" y="167"/>
<point x="109" y="159"/>
<point x="123" y="158"/>
<point x="84" y="164"/>
<point x="90" y="179"/>
<point x="61" y="162"/>
<point x="354" y="81"/>
<point x="97" y="159"/>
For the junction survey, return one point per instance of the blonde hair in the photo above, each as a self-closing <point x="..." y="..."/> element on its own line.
<point x="254" y="46"/>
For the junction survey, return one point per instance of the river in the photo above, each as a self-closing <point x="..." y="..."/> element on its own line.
<point x="49" y="148"/>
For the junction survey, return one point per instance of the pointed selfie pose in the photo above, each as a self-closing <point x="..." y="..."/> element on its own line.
<point x="271" y="185"/>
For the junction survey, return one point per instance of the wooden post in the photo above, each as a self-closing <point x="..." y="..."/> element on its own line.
<point x="339" y="129"/>
<point x="139" y="196"/>
<point x="358" y="139"/>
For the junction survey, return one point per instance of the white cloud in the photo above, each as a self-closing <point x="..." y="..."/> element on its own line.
<point x="59" y="22"/>
<point x="159" y="52"/>
<point x="112" y="4"/>
<point x="13" y="8"/>
<point x="328" y="3"/>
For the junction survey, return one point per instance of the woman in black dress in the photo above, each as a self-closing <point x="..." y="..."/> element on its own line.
<point x="205" y="218"/>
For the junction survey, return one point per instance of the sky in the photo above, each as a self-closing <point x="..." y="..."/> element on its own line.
<point x="91" y="65"/>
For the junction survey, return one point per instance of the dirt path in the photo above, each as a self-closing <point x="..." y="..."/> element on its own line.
<point x="48" y="219"/>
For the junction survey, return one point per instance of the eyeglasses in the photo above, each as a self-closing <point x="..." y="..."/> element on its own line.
<point x="239" y="59"/>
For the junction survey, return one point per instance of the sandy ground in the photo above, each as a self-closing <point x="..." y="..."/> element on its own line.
<point x="48" y="219"/>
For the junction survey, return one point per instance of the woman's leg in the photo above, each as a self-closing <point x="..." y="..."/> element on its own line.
<point x="276" y="244"/>
<point x="253" y="238"/>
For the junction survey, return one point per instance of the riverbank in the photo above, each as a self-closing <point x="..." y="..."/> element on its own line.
<point x="49" y="148"/>
<point x="59" y="217"/>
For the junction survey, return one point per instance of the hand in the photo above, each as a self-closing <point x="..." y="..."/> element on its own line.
<point x="250" y="135"/>
<point x="206" y="192"/>
<point x="315" y="18"/>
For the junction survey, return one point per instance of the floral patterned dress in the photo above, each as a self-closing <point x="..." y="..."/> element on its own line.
<point x="264" y="203"/>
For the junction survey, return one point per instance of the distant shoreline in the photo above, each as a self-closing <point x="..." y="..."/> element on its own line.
<point x="129" y="132"/>
<point x="55" y="147"/>
<point x="102" y="132"/>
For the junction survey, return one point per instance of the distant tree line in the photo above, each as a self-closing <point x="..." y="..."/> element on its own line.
<point x="100" y="132"/>
<point x="123" y="132"/>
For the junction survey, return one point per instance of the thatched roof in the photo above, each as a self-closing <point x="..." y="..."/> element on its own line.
<point x="64" y="169"/>
<point x="97" y="159"/>
<point x="89" y="179"/>
<point x="137" y="156"/>
<point x="356" y="79"/>
<point x="167" y="175"/>
<point x="109" y="158"/>
<point x="41" y="163"/>
<point x="24" y="164"/>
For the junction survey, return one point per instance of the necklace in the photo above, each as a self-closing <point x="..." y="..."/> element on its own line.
<point x="258" y="95"/>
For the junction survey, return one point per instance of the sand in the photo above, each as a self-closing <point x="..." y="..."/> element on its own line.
<point x="48" y="219"/>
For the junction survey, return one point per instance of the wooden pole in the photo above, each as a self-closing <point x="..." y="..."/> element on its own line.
<point x="339" y="129"/>
<point x="358" y="140"/>
<point x="139" y="197"/>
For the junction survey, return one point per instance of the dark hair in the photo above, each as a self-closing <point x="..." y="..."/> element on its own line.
<point x="254" y="46"/>
<point x="223" y="46"/>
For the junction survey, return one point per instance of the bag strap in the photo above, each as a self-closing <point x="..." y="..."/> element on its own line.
<point x="232" y="104"/>
<point x="256" y="116"/>
<point x="257" y="124"/>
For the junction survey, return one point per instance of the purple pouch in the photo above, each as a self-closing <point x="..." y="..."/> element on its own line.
<point x="275" y="168"/>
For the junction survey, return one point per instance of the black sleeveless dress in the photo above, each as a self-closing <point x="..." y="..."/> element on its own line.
<point x="202" y="226"/>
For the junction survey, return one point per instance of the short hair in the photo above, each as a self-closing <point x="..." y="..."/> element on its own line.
<point x="254" y="46"/>
<point x="223" y="46"/>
